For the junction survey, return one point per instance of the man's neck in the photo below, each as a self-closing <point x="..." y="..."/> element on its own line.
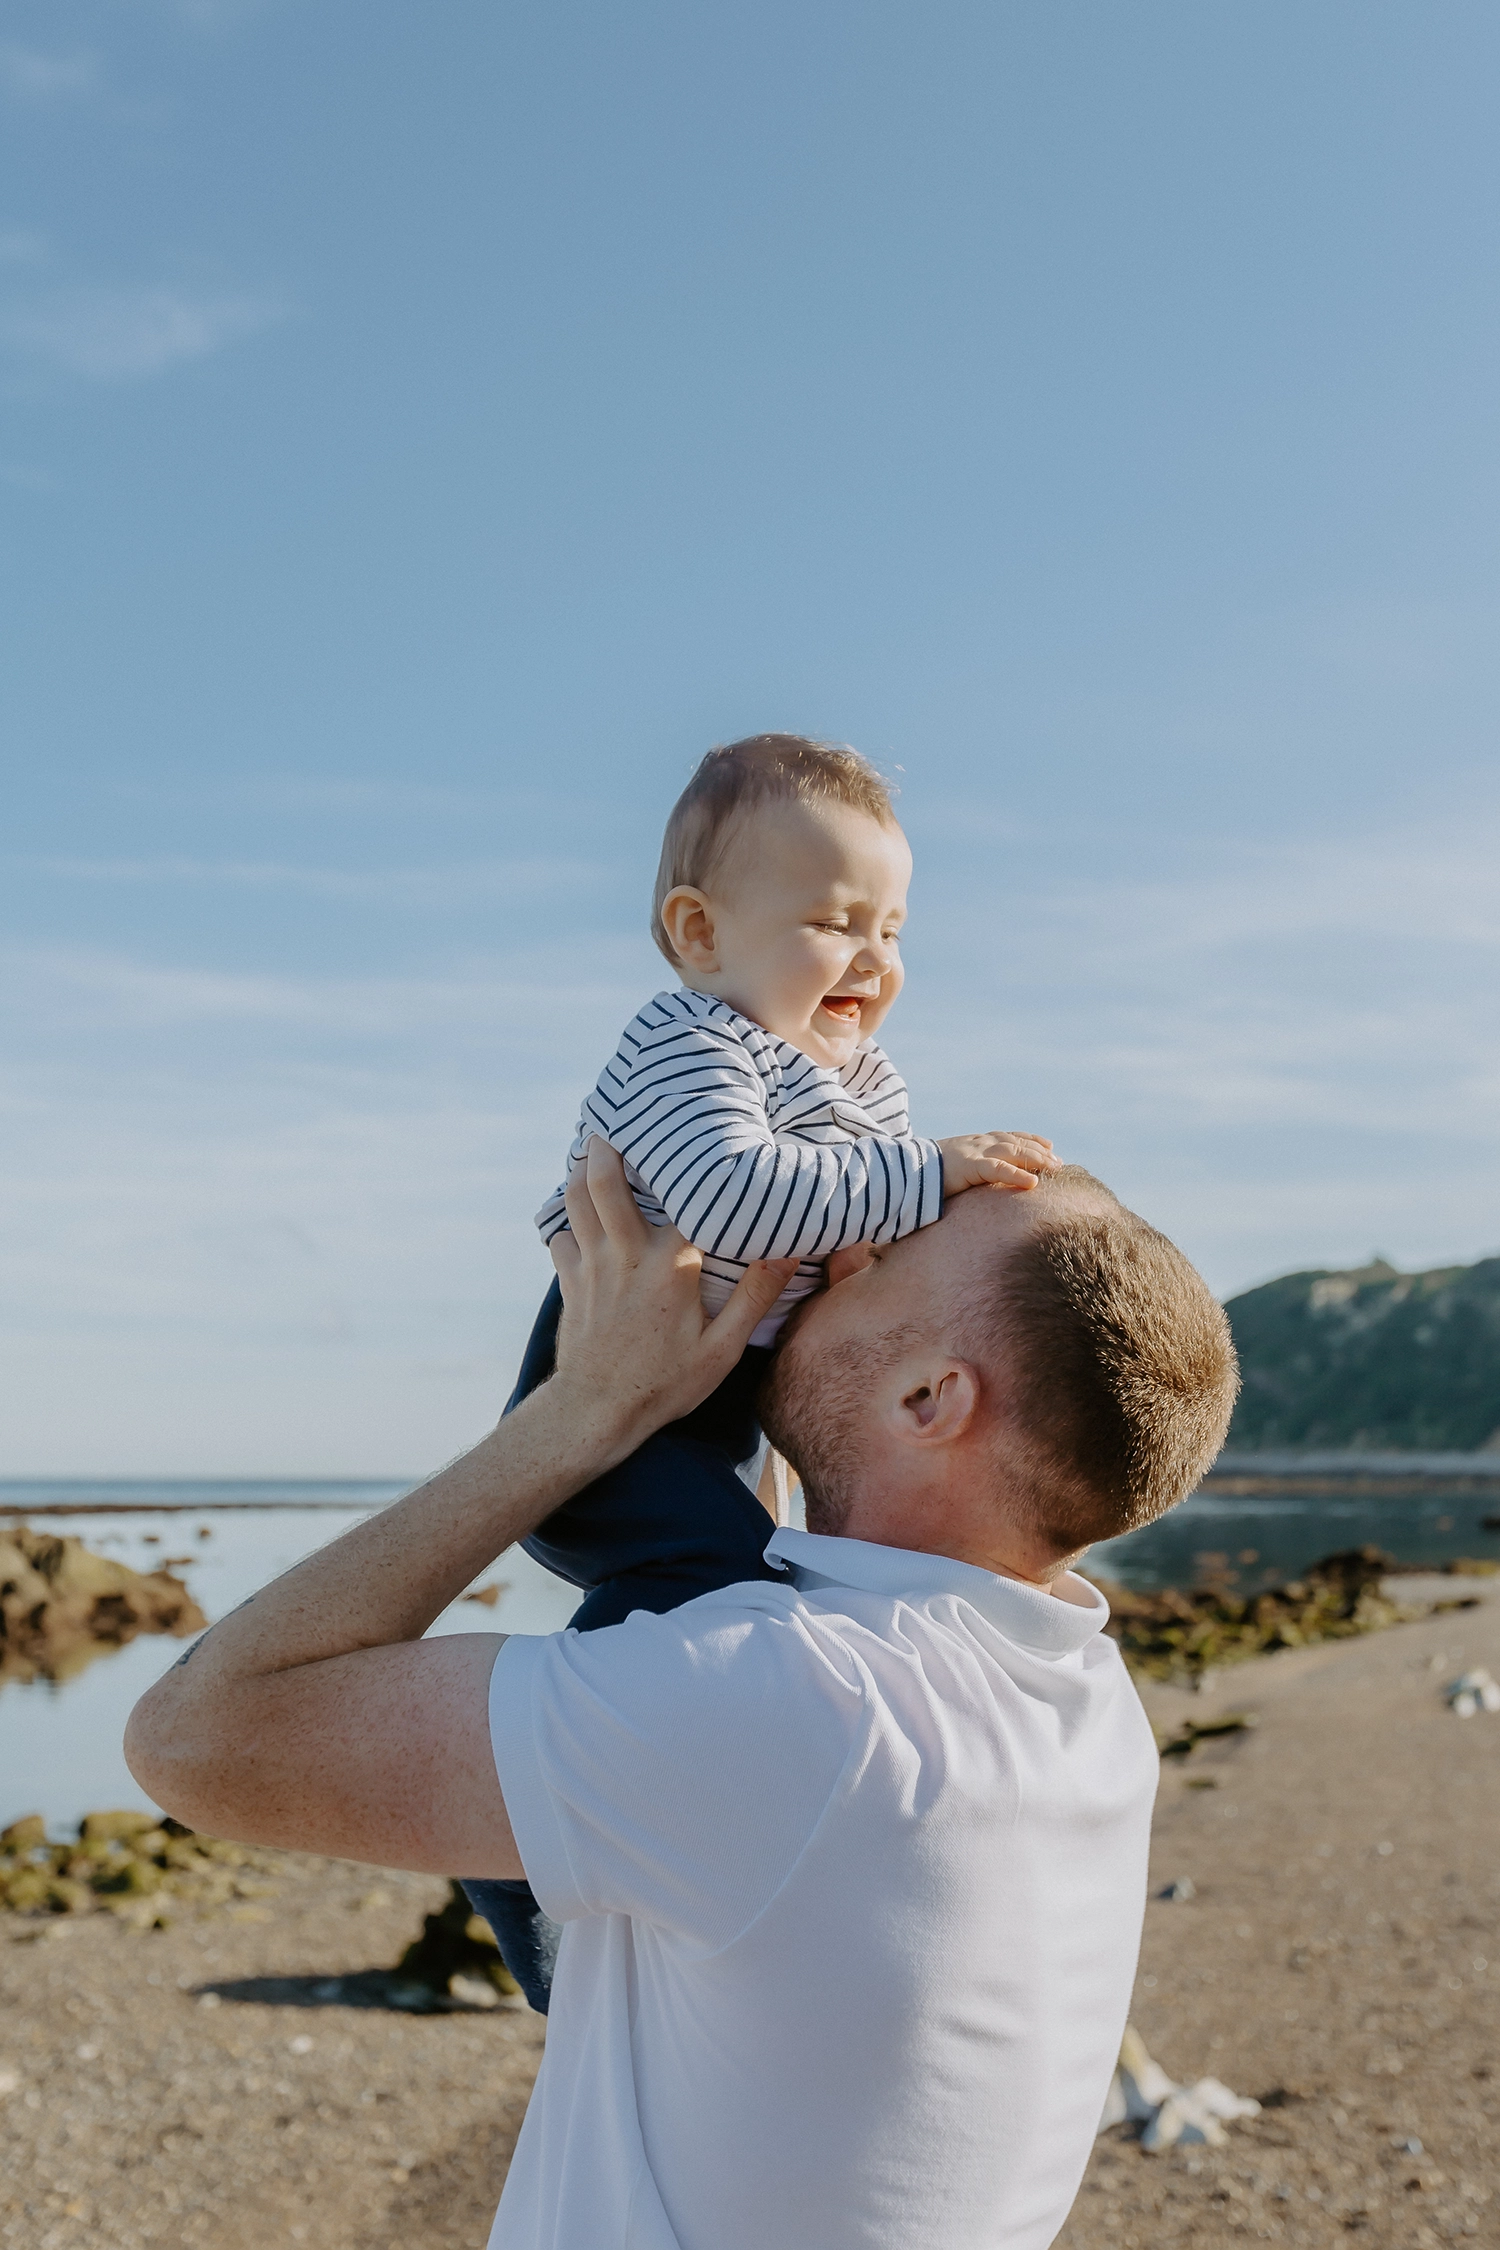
<point x="1030" y="1569"/>
<point x="1012" y="1554"/>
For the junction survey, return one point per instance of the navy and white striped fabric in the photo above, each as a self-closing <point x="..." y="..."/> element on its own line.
<point x="751" y="1149"/>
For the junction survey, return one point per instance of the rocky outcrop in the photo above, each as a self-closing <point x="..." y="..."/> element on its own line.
<point x="1370" y="1360"/>
<point x="61" y="1606"/>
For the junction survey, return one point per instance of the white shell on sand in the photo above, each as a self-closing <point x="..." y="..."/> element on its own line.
<point x="1141" y="2090"/>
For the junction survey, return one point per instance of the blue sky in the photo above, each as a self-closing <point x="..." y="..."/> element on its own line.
<point x="425" y="431"/>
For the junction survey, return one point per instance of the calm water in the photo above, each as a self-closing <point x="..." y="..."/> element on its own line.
<point x="1265" y="1538"/>
<point x="60" y="1747"/>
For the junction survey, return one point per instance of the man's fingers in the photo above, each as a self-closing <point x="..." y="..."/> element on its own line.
<point x="609" y="1191"/>
<point x="854" y="1259"/>
<point x="568" y="1260"/>
<point x="755" y="1293"/>
<point x="583" y="1218"/>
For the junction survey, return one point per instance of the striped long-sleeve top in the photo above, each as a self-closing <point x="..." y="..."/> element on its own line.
<point x="751" y="1149"/>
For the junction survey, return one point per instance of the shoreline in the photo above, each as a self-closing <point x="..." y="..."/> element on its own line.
<point x="19" y="1512"/>
<point x="1351" y="1483"/>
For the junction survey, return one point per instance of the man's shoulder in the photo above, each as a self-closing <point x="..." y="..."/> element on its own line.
<point x="762" y="1631"/>
<point x="730" y="1686"/>
<point x="757" y="1616"/>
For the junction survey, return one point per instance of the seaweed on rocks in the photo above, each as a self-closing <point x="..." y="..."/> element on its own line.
<point x="134" y="1864"/>
<point x="1172" y="1635"/>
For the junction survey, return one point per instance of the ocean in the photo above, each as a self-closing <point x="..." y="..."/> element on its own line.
<point x="60" y="1745"/>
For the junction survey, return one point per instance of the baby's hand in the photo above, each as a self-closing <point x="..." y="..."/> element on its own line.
<point x="1007" y="1160"/>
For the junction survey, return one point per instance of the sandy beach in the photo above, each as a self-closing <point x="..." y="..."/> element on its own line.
<point x="1340" y="1960"/>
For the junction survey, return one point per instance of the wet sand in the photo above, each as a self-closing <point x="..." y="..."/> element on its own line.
<point x="189" y="2086"/>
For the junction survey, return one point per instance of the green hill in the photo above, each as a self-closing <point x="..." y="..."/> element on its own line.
<point x="1370" y="1359"/>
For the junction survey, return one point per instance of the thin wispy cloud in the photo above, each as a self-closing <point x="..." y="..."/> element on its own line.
<point x="30" y="74"/>
<point x="99" y="990"/>
<point x="118" y="991"/>
<point x="307" y="793"/>
<point x="312" y="793"/>
<point x="1435" y="889"/>
<point x="331" y="1177"/>
<point x="1430" y="885"/>
<point x="501" y="879"/>
<point x="1284" y="1060"/>
<point x="113" y="334"/>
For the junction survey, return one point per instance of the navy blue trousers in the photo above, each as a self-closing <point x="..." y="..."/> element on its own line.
<point x="671" y="1522"/>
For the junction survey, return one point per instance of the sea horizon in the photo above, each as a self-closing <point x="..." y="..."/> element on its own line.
<point x="63" y="1493"/>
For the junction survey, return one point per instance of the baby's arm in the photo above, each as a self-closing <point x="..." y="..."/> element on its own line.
<point x="693" y="1122"/>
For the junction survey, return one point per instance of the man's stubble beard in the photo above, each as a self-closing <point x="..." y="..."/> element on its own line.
<point x="814" y="1407"/>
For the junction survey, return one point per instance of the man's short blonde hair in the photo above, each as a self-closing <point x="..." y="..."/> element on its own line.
<point x="730" y="781"/>
<point x="1115" y="1361"/>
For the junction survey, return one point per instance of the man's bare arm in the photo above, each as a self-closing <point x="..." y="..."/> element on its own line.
<point x="315" y="1716"/>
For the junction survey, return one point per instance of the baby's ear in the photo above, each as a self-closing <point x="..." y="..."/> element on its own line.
<point x="687" y="917"/>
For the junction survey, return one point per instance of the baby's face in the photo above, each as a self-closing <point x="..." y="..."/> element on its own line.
<point x="800" y="929"/>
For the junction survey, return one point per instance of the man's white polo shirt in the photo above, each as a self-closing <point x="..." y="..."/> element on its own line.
<point x="853" y="1873"/>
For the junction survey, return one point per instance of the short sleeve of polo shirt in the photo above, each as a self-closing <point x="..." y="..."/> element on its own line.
<point x="672" y="1768"/>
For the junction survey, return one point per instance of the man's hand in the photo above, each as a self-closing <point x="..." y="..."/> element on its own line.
<point x="1007" y="1160"/>
<point x="635" y="1349"/>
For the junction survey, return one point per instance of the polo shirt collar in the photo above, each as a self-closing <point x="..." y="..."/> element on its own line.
<point x="1037" y="1619"/>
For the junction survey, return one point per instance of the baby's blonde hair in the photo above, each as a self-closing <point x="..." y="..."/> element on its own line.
<point x="763" y="769"/>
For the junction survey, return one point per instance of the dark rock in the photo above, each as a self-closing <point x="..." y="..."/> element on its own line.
<point x="61" y="1606"/>
<point x="455" y="1942"/>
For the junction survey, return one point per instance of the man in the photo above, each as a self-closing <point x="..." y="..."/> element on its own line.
<point x="851" y="1869"/>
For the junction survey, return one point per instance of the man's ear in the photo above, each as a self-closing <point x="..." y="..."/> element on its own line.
<point x="941" y="1405"/>
<point x="688" y="919"/>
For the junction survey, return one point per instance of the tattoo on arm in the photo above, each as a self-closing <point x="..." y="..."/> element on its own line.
<point x="188" y="1654"/>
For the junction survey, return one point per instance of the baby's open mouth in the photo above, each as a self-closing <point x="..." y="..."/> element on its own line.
<point x="844" y="1005"/>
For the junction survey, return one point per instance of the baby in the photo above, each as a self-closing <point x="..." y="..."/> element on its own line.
<point x="757" y="1115"/>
